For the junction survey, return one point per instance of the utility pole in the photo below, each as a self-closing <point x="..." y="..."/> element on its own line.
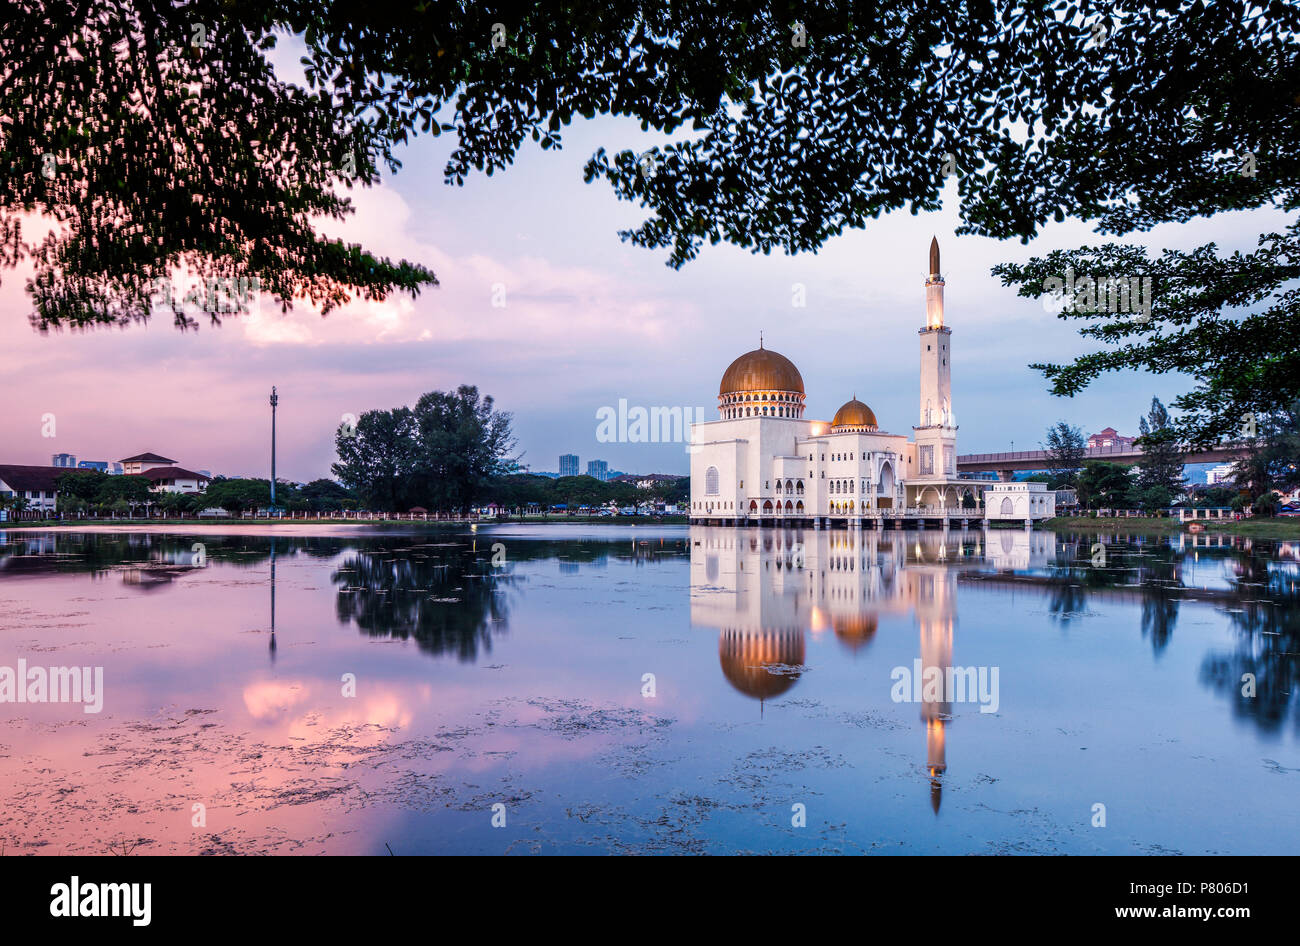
<point x="275" y="399"/>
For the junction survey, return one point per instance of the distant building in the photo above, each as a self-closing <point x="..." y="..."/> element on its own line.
<point x="1221" y="474"/>
<point x="164" y="475"/>
<point x="1110" y="438"/>
<point x="144" y="461"/>
<point x="599" y="469"/>
<point x="100" y="466"/>
<point x="568" y="464"/>
<point x="175" y="479"/>
<point x="35" y="484"/>
<point x="63" y="460"/>
<point x="645" y="481"/>
<point x="1019" y="501"/>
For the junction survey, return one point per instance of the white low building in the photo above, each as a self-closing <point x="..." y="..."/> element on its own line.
<point x="1026" y="502"/>
<point x="762" y="461"/>
<point x="35" y="486"/>
<point x="164" y="475"/>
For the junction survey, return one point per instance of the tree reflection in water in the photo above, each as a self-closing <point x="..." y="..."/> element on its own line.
<point x="449" y="599"/>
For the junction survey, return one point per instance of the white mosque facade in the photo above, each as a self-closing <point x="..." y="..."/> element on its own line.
<point x="763" y="462"/>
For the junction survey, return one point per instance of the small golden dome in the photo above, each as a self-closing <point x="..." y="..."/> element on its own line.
<point x="853" y="415"/>
<point x="761" y="370"/>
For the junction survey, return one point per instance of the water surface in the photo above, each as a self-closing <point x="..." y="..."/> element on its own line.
<point x="609" y="689"/>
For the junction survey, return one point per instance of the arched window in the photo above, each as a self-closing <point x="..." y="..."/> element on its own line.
<point x="1007" y="508"/>
<point x="711" y="481"/>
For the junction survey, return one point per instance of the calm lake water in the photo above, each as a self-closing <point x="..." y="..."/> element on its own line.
<point x="652" y="690"/>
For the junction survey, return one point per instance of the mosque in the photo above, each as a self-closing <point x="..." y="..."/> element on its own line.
<point x="763" y="462"/>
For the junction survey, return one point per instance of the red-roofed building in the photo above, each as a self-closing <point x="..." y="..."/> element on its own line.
<point x="144" y="461"/>
<point x="175" y="479"/>
<point x="36" y="484"/>
<point x="1110" y="438"/>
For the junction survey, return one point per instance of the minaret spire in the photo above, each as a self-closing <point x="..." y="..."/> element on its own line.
<point x="934" y="289"/>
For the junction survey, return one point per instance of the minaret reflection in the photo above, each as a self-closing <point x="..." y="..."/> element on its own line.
<point x="765" y="591"/>
<point x="934" y="592"/>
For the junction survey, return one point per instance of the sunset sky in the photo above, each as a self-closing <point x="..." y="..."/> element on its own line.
<point x="588" y="320"/>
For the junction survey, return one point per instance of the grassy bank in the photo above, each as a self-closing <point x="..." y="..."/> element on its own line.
<point x="1260" y="528"/>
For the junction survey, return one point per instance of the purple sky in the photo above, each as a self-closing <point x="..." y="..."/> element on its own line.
<point x="588" y="320"/>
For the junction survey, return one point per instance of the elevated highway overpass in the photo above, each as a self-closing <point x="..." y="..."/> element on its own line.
<point x="1006" y="464"/>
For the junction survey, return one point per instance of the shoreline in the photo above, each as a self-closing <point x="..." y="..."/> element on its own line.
<point x="1259" y="527"/>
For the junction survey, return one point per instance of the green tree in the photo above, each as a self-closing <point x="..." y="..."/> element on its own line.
<point x="1160" y="471"/>
<point x="72" y="507"/>
<point x="377" y="458"/>
<point x="1105" y="485"/>
<point x="324" y="495"/>
<point x="1230" y="322"/>
<point x="462" y="444"/>
<point x="1266" y="505"/>
<point x="122" y="494"/>
<point x="82" y="484"/>
<point x="1066" y="448"/>
<point x="1273" y="458"/>
<point x="237" y="496"/>
<point x="850" y="112"/>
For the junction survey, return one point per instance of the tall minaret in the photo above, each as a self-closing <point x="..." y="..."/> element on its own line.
<point x="936" y="430"/>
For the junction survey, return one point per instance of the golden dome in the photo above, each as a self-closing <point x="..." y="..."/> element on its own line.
<point x="761" y="370"/>
<point x="854" y="414"/>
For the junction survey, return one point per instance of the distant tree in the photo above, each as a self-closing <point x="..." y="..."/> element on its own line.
<point x="1273" y="458"/>
<point x="462" y="443"/>
<point x="1160" y="471"/>
<point x="377" y="458"/>
<point x="1105" y="485"/>
<point x="1216" y="496"/>
<point x="83" y="484"/>
<point x="236" y="496"/>
<point x="1066" y="448"/>
<point x="325" y="495"/>
<point x="130" y="490"/>
<point x="1266" y="505"/>
<point x="74" y="507"/>
<point x="1153" y="498"/>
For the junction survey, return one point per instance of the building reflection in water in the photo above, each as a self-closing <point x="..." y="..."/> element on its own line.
<point x="766" y="590"/>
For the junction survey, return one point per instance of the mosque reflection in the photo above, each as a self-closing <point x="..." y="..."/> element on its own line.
<point x="765" y="591"/>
